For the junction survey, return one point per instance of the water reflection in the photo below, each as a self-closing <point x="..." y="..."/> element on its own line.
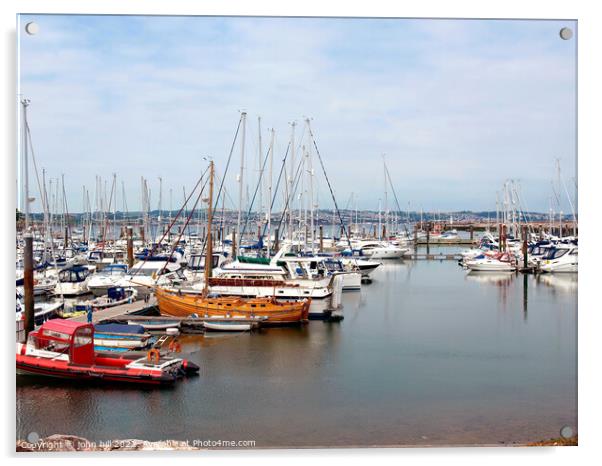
<point x="490" y="278"/>
<point x="561" y="282"/>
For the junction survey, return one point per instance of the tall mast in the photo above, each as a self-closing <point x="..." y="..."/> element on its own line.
<point x="259" y="170"/>
<point x="386" y="212"/>
<point x="270" y="193"/>
<point x="240" y="176"/>
<point x="160" y="202"/>
<point x="25" y="156"/>
<point x="291" y="181"/>
<point x="209" y="255"/>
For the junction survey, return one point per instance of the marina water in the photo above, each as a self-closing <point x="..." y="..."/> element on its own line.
<point x="426" y="355"/>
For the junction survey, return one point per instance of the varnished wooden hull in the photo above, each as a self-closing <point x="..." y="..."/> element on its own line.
<point x="267" y="310"/>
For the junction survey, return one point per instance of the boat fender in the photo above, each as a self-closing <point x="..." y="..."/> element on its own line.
<point x="154" y="353"/>
<point x="175" y="347"/>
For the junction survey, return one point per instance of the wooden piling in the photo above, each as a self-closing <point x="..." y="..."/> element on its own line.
<point x="233" y="243"/>
<point x="130" y="246"/>
<point x="28" y="284"/>
<point x="321" y="238"/>
<point x="525" y="247"/>
<point x="277" y="240"/>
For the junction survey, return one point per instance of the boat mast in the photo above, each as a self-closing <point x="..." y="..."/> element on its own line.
<point x="242" y="167"/>
<point x="386" y="212"/>
<point x="270" y="194"/>
<point x="209" y="255"/>
<point x="291" y="181"/>
<point x="25" y="103"/>
<point x="259" y="171"/>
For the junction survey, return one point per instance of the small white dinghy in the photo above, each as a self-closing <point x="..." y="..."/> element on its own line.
<point x="227" y="326"/>
<point x="158" y="324"/>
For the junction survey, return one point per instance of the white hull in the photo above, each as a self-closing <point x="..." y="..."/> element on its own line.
<point x="492" y="267"/>
<point x="71" y="289"/>
<point x="387" y="253"/>
<point x="226" y="327"/>
<point x="352" y="281"/>
<point x="279" y="292"/>
<point x="559" y="268"/>
<point x="130" y="343"/>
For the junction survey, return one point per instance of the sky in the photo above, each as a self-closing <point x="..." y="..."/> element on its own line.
<point x="456" y="106"/>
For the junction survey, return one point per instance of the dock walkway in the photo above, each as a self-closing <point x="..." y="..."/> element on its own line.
<point x="122" y="310"/>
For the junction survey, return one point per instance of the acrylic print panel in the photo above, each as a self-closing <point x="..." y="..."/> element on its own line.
<point x="390" y="210"/>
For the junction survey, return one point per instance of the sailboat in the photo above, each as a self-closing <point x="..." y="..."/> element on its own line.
<point x="266" y="310"/>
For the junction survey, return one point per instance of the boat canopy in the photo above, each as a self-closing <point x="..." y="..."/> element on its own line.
<point x="74" y="274"/>
<point x="253" y="260"/>
<point x="74" y="338"/>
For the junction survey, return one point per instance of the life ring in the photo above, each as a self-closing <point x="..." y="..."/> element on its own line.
<point x="153" y="353"/>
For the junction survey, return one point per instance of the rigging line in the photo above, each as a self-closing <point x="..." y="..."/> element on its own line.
<point x="255" y="193"/>
<point x="329" y="186"/>
<point x="395" y="195"/>
<point x="290" y="196"/>
<point x="282" y="168"/>
<point x="296" y="181"/>
<point x="35" y="165"/>
<point x="154" y="248"/>
<point x="227" y="165"/>
<point x="221" y="186"/>
<point x="175" y="244"/>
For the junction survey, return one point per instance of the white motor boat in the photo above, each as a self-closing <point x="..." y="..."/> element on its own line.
<point x="562" y="258"/>
<point x="148" y="273"/>
<point x="501" y="262"/>
<point x="100" y="282"/>
<point x="73" y="281"/>
<point x="43" y="311"/>
<point x="363" y="266"/>
<point x="379" y="250"/>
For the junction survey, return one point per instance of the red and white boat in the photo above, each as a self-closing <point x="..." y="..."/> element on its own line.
<point x="65" y="349"/>
<point x="488" y="262"/>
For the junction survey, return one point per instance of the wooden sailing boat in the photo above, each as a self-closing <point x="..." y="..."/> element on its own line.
<point x="265" y="310"/>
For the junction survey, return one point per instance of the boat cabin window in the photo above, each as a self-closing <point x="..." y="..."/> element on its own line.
<point x="574" y="252"/>
<point x="73" y="276"/>
<point x="555" y="253"/>
<point x="333" y="266"/>
<point x="55" y="334"/>
<point x="83" y="337"/>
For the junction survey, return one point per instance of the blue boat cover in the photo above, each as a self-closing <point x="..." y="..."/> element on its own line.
<point x="118" y="328"/>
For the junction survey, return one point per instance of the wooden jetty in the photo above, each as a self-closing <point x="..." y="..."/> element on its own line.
<point x="129" y="310"/>
<point x="446" y="242"/>
<point x="434" y="257"/>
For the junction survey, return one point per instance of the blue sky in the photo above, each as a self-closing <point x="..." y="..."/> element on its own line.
<point x="457" y="106"/>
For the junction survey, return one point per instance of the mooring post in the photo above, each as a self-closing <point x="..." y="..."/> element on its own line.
<point x="277" y="240"/>
<point x="384" y="232"/>
<point x="130" y="246"/>
<point x="233" y="244"/>
<point x="471" y="232"/>
<point x="321" y="238"/>
<point x="28" y="284"/>
<point x="525" y="247"/>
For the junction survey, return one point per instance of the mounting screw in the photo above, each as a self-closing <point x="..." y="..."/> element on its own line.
<point x="566" y="33"/>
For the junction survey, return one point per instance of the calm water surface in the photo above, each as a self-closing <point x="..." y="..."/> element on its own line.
<point x="426" y="355"/>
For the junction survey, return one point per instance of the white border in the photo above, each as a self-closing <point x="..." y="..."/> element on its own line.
<point x="590" y="42"/>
